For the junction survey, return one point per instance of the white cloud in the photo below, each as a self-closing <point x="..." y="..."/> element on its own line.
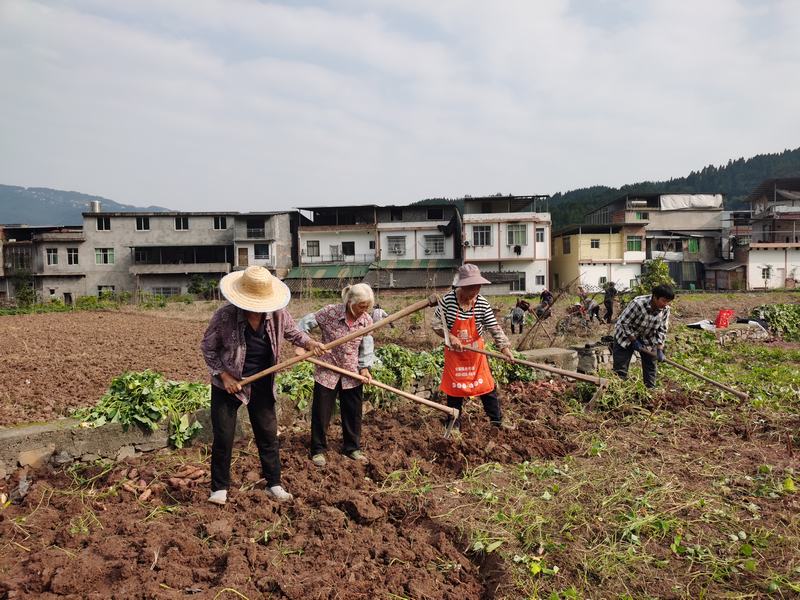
<point x="242" y="104"/>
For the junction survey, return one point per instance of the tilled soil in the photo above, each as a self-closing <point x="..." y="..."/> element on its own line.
<point x="353" y="530"/>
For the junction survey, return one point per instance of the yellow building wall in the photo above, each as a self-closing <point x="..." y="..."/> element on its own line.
<point x="565" y="267"/>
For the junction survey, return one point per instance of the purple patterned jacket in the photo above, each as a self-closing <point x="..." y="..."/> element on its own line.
<point x="224" y="345"/>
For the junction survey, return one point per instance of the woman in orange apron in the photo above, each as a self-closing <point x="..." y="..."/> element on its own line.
<point x="462" y="317"/>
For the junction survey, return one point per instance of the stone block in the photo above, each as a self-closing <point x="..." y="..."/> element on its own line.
<point x="125" y="452"/>
<point x="563" y="358"/>
<point x="36" y="457"/>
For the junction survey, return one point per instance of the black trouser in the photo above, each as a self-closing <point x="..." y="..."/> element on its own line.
<point x="609" y="304"/>
<point x="350" y="406"/>
<point x="622" y="360"/>
<point x="519" y="325"/>
<point x="594" y="313"/>
<point x="491" y="406"/>
<point x="261" y="409"/>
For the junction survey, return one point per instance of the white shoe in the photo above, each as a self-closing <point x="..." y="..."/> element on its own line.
<point x="280" y="494"/>
<point x="219" y="497"/>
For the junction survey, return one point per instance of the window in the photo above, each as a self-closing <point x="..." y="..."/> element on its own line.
<point x="565" y="245"/>
<point x="540" y="234"/>
<point x="52" y="256"/>
<point x="540" y="280"/>
<point x="397" y="244"/>
<point x="181" y="223"/>
<point x="434" y="244"/>
<point x="104" y="256"/>
<point x="142" y="223"/>
<point x="166" y="292"/>
<point x="220" y="222"/>
<point x="105" y="290"/>
<point x="694" y="245"/>
<point x="602" y="281"/>
<point x="642" y="216"/>
<point x="481" y="235"/>
<point x="435" y="214"/>
<point x="396" y="214"/>
<point x="72" y="256"/>
<point x="349" y="248"/>
<point x="372" y="244"/>
<point x="519" y="284"/>
<point x="103" y="223"/>
<point x="634" y="243"/>
<point x="766" y="272"/>
<point x="312" y="248"/>
<point x="486" y="207"/>
<point x="517" y="234"/>
<point x="594" y="243"/>
<point x="262" y="251"/>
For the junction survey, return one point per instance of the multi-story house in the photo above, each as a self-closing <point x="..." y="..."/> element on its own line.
<point x="335" y="245"/>
<point x="682" y="229"/>
<point x="46" y="257"/>
<point x="594" y="255"/>
<point x="508" y="237"/>
<point x="418" y="246"/>
<point x="159" y="252"/>
<point x="774" y="251"/>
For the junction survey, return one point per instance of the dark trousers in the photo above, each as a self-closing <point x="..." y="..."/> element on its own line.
<point x="350" y="406"/>
<point x="594" y="313"/>
<point x="491" y="406"/>
<point x="519" y="326"/>
<point x="609" y="304"/>
<point x="622" y="360"/>
<point x="261" y="409"/>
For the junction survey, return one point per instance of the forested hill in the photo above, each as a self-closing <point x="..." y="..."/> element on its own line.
<point x="736" y="180"/>
<point x="44" y="206"/>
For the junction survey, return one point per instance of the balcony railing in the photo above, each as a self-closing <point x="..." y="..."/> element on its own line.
<point x="252" y="233"/>
<point x="338" y="259"/>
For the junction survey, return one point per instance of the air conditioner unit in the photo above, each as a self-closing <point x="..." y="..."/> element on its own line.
<point x="427" y="250"/>
<point x="396" y="250"/>
<point x="517" y="250"/>
<point x="466" y="244"/>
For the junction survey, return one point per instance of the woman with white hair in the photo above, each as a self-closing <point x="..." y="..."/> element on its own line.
<point x="335" y="321"/>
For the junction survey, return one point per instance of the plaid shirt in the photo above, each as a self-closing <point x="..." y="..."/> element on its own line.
<point x="224" y="345"/>
<point x="640" y="320"/>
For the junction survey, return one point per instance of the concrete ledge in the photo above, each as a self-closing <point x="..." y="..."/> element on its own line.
<point x="563" y="358"/>
<point x="64" y="441"/>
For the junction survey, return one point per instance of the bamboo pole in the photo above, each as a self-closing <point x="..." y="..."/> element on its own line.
<point x="445" y="409"/>
<point x="542" y="367"/>
<point x="722" y="386"/>
<point x="432" y="300"/>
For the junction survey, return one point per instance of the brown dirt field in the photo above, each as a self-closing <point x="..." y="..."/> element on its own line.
<point x="345" y="536"/>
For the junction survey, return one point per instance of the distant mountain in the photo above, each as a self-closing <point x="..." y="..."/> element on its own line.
<point x="736" y="181"/>
<point x="43" y="206"/>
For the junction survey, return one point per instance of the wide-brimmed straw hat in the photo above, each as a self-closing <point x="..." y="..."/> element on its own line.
<point x="255" y="289"/>
<point x="469" y="274"/>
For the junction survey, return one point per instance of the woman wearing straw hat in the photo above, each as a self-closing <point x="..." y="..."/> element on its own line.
<point x="243" y="338"/>
<point x="336" y="321"/>
<point x="461" y="318"/>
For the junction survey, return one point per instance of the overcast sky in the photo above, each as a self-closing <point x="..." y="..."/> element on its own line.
<point x="248" y="105"/>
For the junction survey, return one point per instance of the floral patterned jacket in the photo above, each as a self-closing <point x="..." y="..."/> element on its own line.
<point x="224" y="346"/>
<point x="354" y="355"/>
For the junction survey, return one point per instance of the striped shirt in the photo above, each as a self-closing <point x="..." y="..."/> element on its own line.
<point x="448" y="310"/>
<point x="640" y="320"/>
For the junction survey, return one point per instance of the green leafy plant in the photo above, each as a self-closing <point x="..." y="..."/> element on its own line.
<point x="146" y="399"/>
<point x="783" y="319"/>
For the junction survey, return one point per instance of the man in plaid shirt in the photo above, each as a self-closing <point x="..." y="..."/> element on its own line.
<point x="643" y="325"/>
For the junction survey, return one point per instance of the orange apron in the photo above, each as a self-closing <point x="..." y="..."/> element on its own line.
<point x="466" y="373"/>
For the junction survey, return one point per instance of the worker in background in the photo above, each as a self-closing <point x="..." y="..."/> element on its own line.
<point x="608" y="300"/>
<point x="643" y="326"/>
<point x="378" y="314"/>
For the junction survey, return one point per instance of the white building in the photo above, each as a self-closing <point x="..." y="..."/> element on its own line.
<point x="508" y="237"/>
<point x="774" y="254"/>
